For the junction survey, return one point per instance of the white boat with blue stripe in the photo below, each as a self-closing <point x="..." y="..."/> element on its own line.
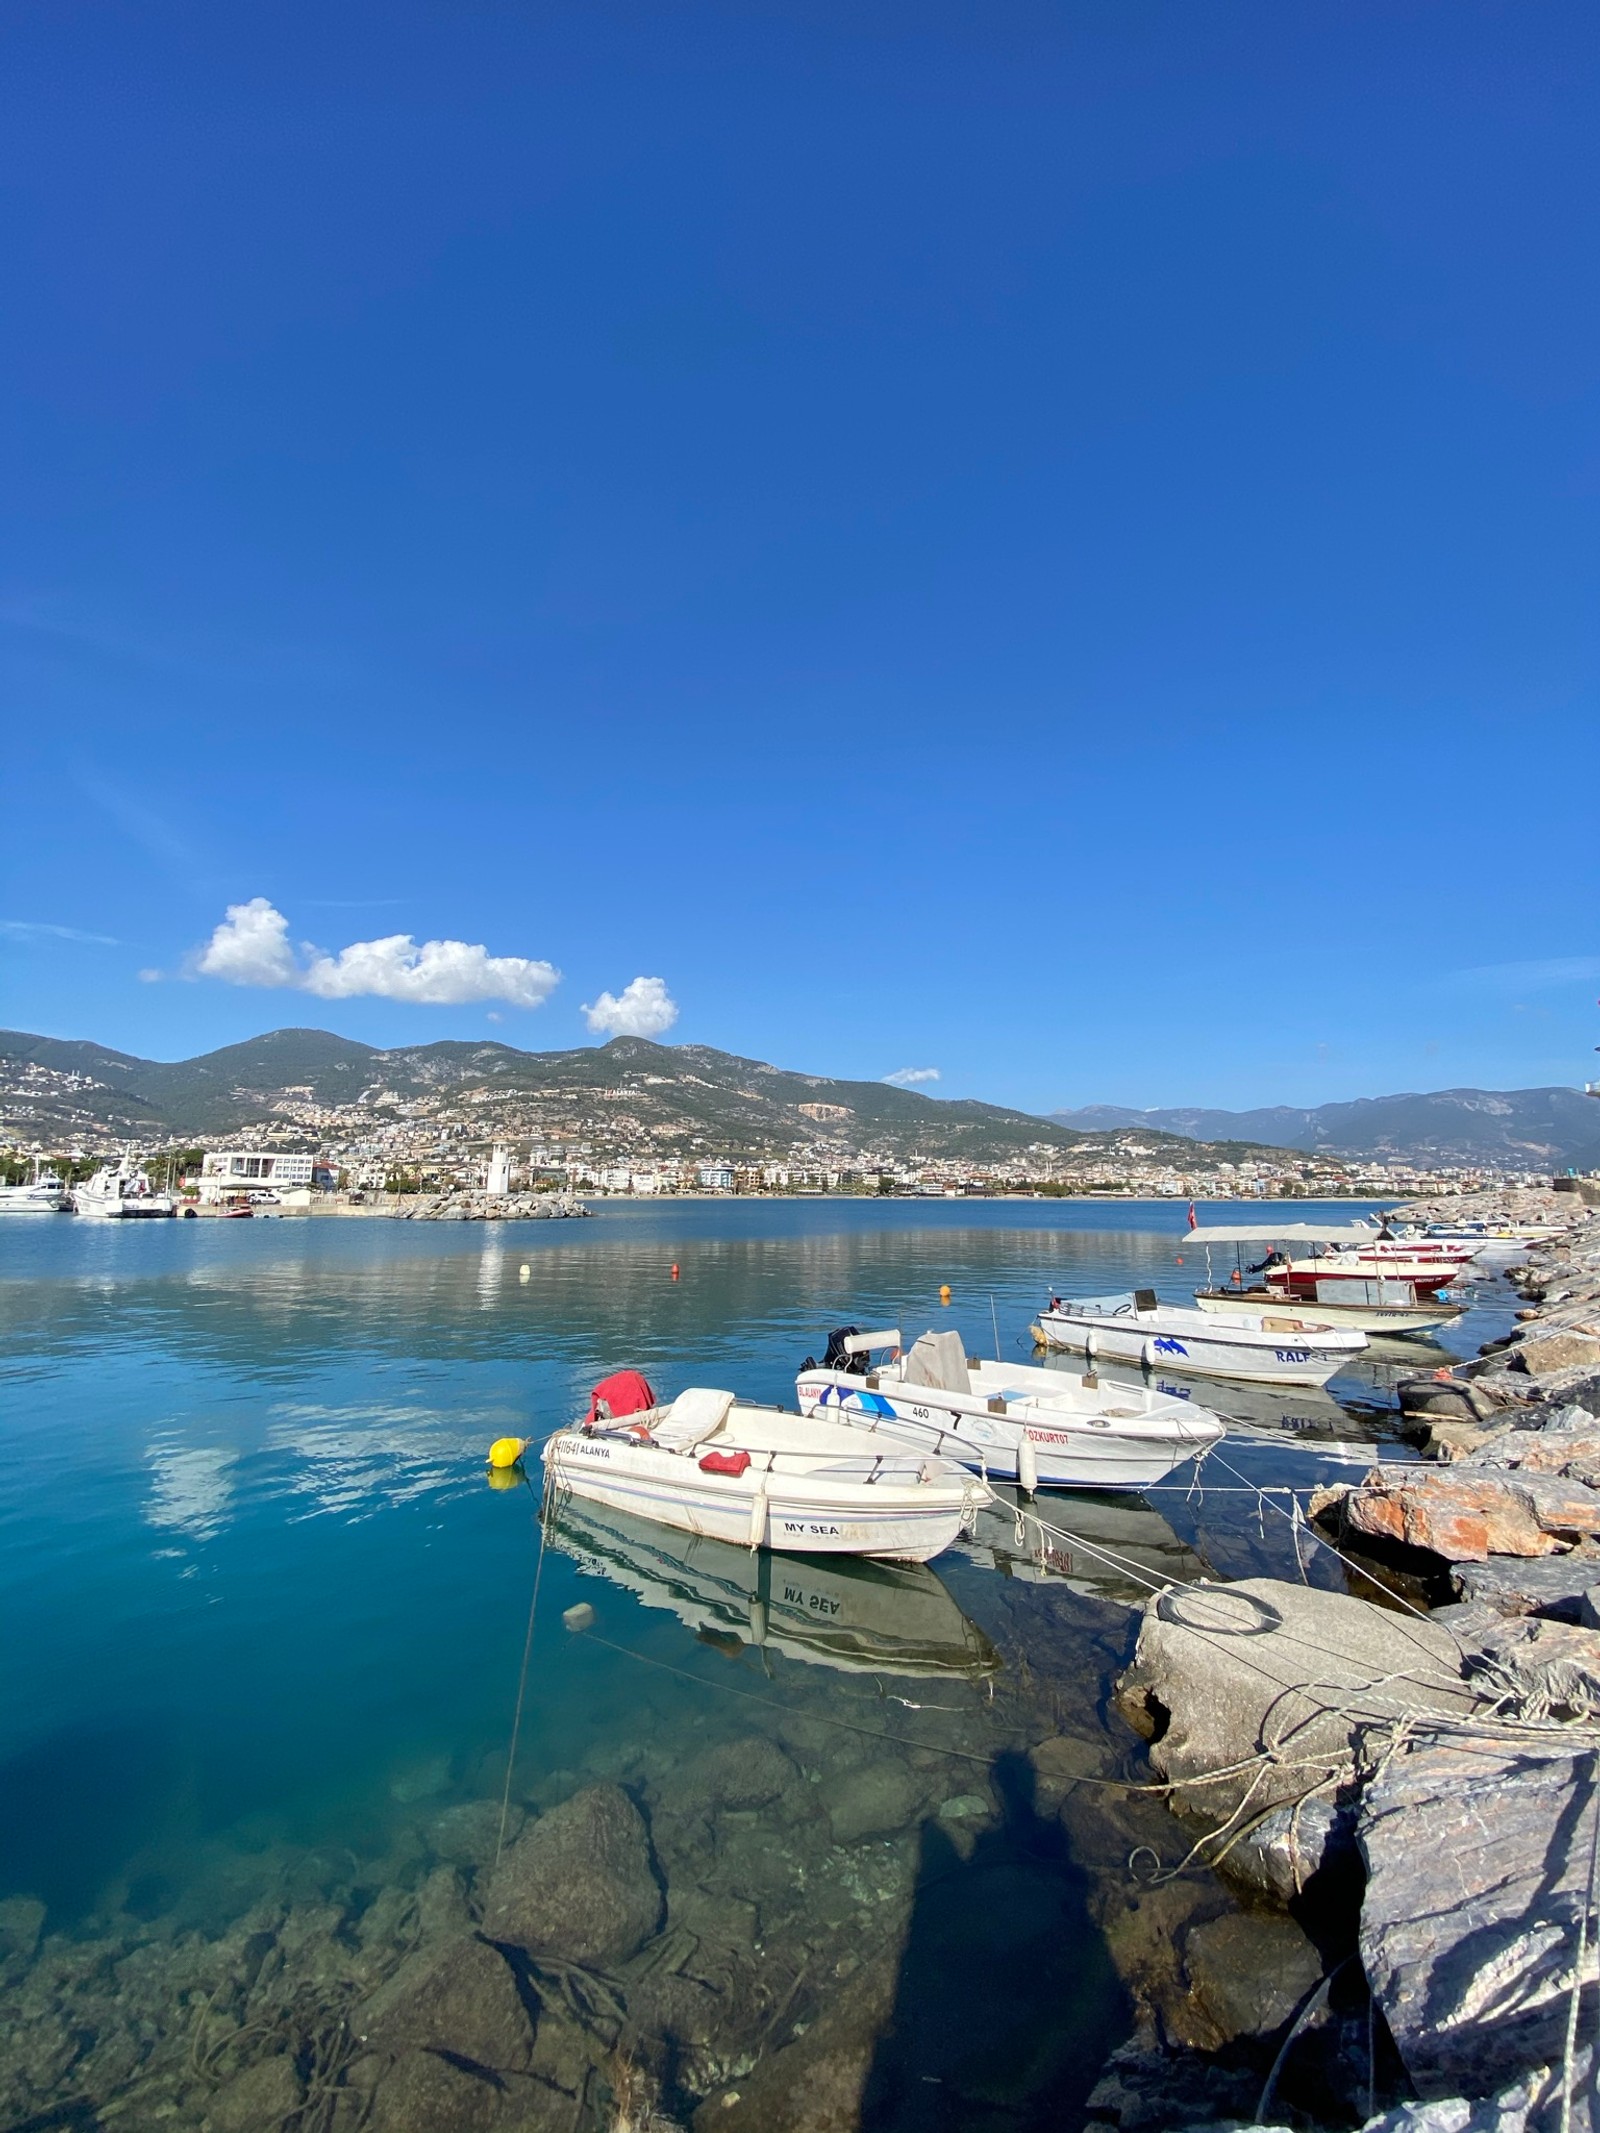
<point x="1044" y="1429"/>
<point x="1267" y="1347"/>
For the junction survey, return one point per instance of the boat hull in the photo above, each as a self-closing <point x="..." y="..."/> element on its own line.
<point x="1369" y="1318"/>
<point x="802" y="1515"/>
<point x="1069" y="1452"/>
<point x="1280" y="1359"/>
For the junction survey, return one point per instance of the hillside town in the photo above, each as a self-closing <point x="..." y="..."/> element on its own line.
<point x="629" y="1119"/>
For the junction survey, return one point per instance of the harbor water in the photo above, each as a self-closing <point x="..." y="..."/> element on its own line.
<point x="282" y="1674"/>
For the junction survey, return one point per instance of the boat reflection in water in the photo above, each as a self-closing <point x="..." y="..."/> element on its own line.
<point x="845" y="1612"/>
<point x="1288" y="1415"/>
<point x="1105" y="1547"/>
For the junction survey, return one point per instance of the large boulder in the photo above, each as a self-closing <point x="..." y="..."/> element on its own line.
<point x="1262" y="1689"/>
<point x="1478" y="1855"/>
<point x="1464" y="1514"/>
<point x="1556" y="1585"/>
<point x="1543" y="1354"/>
<point x="579" y="1882"/>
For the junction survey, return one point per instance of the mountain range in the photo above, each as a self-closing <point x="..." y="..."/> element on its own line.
<point x="1518" y="1128"/>
<point x="683" y="1099"/>
<point x="687" y="1098"/>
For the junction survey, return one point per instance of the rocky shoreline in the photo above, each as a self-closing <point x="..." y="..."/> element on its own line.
<point x="1412" y="1777"/>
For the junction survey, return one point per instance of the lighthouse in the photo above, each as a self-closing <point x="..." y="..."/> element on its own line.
<point x="499" y="1182"/>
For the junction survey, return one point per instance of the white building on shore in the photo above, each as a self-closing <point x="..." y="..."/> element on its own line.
<point x="229" y="1172"/>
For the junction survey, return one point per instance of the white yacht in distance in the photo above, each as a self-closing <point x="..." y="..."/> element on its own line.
<point x="44" y="1194"/>
<point x="1044" y="1429"/>
<point x="122" y="1192"/>
<point x="1268" y="1347"/>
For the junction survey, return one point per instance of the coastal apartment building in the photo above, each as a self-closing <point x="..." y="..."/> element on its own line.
<point x="227" y="1172"/>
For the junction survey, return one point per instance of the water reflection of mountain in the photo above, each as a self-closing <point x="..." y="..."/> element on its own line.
<point x="855" y="1617"/>
<point x="1106" y="1547"/>
<point x="270" y="1297"/>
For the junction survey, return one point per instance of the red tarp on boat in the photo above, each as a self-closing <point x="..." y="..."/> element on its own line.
<point x="625" y="1392"/>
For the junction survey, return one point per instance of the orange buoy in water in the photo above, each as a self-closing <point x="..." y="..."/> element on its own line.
<point x="1180" y="1259"/>
<point x="1235" y="1275"/>
<point x="944" y="1292"/>
<point x="674" y="1269"/>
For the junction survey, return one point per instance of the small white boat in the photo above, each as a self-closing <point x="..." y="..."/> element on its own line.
<point x="44" y="1194"/>
<point x="764" y="1478"/>
<point x="1008" y="1421"/>
<point x="843" y="1613"/>
<point x="1269" y="1347"/>
<point x="122" y="1192"/>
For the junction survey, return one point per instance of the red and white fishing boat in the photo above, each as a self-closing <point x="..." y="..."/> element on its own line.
<point x="1332" y="1283"/>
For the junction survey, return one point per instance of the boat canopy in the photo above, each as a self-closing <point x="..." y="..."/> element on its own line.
<point x="939" y="1361"/>
<point x="1278" y="1233"/>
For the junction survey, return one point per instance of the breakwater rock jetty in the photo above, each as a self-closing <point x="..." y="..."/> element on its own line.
<point x="482" y="1207"/>
<point x="1414" y="1778"/>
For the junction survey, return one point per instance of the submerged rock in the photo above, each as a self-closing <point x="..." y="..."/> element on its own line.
<point x="738" y="1773"/>
<point x="873" y="1800"/>
<point x="468" y="1834"/>
<point x="579" y="1882"/>
<point x="423" y="2091"/>
<point x="21" y="1922"/>
<point x="1248" y="1975"/>
<point x="467" y="2004"/>
<point x="263" y="2095"/>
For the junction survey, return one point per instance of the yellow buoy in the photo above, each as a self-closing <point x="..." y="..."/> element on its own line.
<point x="944" y="1292"/>
<point x="506" y="1451"/>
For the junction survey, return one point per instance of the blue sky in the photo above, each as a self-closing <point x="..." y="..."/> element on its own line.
<point x="1055" y="544"/>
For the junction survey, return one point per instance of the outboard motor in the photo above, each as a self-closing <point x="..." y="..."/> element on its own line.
<point x="837" y="1357"/>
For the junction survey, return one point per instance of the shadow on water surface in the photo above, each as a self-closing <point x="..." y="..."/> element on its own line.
<point x="1006" y="2002"/>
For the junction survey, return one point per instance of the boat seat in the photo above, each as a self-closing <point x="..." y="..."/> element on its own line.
<point x="693" y="1416"/>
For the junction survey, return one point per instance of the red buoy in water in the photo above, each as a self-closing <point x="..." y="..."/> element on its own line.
<point x="674" y="1269"/>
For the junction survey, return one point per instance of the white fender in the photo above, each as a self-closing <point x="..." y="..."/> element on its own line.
<point x="1027" y="1466"/>
<point x="758" y="1516"/>
<point x="1147" y="1352"/>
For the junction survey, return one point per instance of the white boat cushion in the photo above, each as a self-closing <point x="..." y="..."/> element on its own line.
<point x="693" y="1416"/>
<point x="939" y="1361"/>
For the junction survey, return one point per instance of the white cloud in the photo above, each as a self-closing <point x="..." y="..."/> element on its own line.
<point x="908" y="1077"/>
<point x="26" y="929"/>
<point x="436" y="974"/>
<point x="644" y="1008"/>
<point x="252" y="947"/>
<point x="151" y="977"/>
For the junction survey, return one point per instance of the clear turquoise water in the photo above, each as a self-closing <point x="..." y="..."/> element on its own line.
<point x="264" y="1618"/>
